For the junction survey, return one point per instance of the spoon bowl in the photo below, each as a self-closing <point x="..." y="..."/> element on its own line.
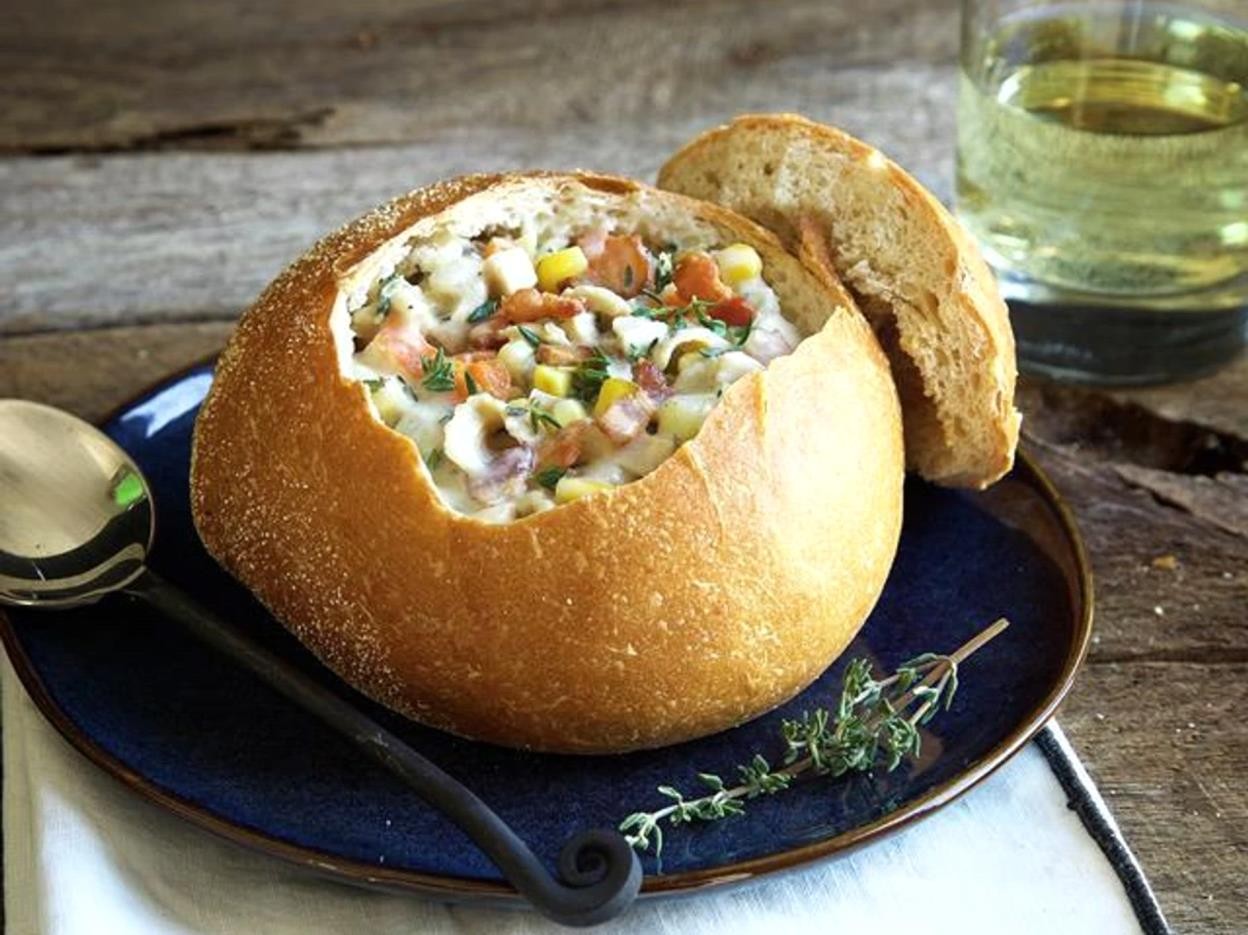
<point x="77" y="519"/>
<point x="77" y="523"/>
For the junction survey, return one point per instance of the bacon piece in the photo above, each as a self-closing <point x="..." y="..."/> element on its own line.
<point x="697" y="277"/>
<point x="734" y="311"/>
<point x="564" y="448"/>
<point x="559" y="355"/>
<point x="525" y="305"/>
<point x="505" y="477"/>
<point x="621" y="265"/>
<point x="651" y="379"/>
<point x="626" y="418"/>
<point x="488" y="334"/>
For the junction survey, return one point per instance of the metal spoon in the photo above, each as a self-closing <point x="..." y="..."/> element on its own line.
<point x="76" y="524"/>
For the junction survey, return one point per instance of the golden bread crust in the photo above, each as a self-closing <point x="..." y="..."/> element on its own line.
<point x="951" y="345"/>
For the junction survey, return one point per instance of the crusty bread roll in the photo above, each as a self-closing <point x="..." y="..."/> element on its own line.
<point x="932" y="300"/>
<point x="690" y="600"/>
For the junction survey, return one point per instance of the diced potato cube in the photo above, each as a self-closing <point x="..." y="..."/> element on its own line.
<point x="737" y="263"/>
<point x="682" y="416"/>
<point x="517" y="356"/>
<point x="582" y="329"/>
<point x="557" y="381"/>
<point x="509" y="270"/>
<point x="390" y="400"/>
<point x="645" y="453"/>
<point x="638" y="334"/>
<point x="733" y="366"/>
<point x="613" y="389"/>
<point x="573" y="488"/>
<point x="556" y="268"/>
<point x="567" y="411"/>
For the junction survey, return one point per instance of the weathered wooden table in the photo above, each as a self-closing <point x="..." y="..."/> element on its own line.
<point x="163" y="161"/>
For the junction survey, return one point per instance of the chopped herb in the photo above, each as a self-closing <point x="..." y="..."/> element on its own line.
<point x="483" y="311"/>
<point x="550" y="477"/>
<point x="446" y="417"/>
<point x="439" y="373"/>
<point x="648" y="312"/>
<point x="654" y="296"/>
<point x="514" y="410"/>
<point x="715" y="351"/>
<point x="590" y="375"/>
<point x="714" y="324"/>
<point x="433" y="459"/>
<point x="662" y="270"/>
<point x="471" y="384"/>
<point x="743" y="333"/>
<point x="385" y="293"/>
<point x="539" y="417"/>
<point x="636" y="352"/>
<point x="375" y="384"/>
<point x="529" y="335"/>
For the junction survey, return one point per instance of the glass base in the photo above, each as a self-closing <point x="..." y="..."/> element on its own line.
<point x="1116" y="341"/>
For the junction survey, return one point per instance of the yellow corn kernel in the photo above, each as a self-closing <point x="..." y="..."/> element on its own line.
<point x="613" y="389"/>
<point x="567" y="411"/>
<point x="557" y="381"/>
<point x="682" y="416"/>
<point x="388" y="401"/>
<point x="737" y="263"/>
<point x="556" y="268"/>
<point x="573" y="488"/>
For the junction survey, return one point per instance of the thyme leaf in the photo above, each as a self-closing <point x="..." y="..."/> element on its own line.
<point x="875" y="723"/>
<point x="439" y="373"/>
<point x="539" y="416"/>
<point x="662" y="270"/>
<point x="550" y="477"/>
<point x="385" y="293"/>
<point x="589" y="376"/>
<point x="483" y="311"/>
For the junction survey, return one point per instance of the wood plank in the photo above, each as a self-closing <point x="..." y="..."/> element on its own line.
<point x="191" y="236"/>
<point x="293" y="73"/>
<point x="1155" y="712"/>
<point x="91" y="373"/>
<point x="1165" y="744"/>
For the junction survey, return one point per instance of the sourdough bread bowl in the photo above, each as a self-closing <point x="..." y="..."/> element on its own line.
<point x="636" y="608"/>
<point x="895" y="253"/>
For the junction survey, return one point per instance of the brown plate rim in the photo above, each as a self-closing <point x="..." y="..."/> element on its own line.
<point x="467" y="889"/>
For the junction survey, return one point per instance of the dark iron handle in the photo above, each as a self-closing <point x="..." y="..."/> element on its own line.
<point x="600" y="872"/>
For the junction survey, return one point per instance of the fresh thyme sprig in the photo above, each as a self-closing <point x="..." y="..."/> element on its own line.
<point x="588" y="378"/>
<point x="539" y="416"/>
<point x="529" y="335"/>
<point x="483" y="311"/>
<point x="439" y="373"/>
<point x="875" y="723"/>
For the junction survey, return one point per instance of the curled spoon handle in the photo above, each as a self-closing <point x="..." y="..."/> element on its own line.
<point x="600" y="874"/>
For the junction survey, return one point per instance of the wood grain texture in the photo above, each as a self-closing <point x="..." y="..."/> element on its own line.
<point x="291" y="73"/>
<point x="186" y="236"/>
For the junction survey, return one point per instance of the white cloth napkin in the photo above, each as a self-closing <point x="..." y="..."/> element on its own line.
<point x="84" y="856"/>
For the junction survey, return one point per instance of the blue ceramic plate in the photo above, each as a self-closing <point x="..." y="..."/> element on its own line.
<point x="206" y="740"/>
